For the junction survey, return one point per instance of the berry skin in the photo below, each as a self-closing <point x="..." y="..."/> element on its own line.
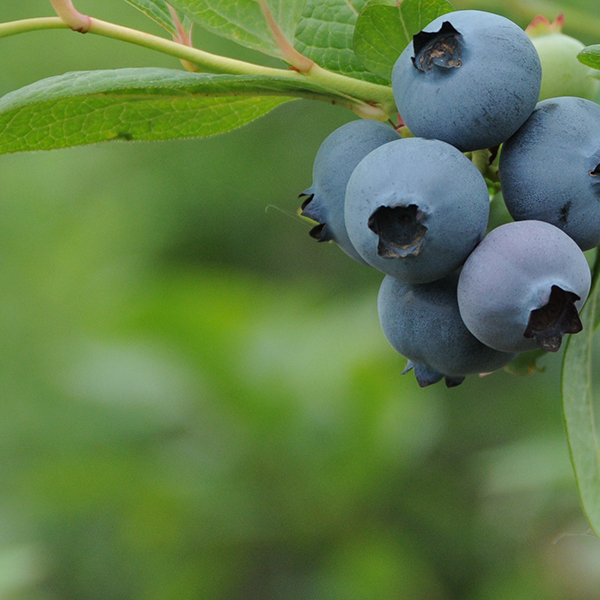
<point x="523" y="286"/>
<point x="550" y="168"/>
<point x="416" y="208"/>
<point x="422" y="322"/>
<point x="337" y="157"/>
<point x="470" y="78"/>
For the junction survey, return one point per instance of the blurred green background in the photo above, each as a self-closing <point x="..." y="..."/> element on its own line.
<point x="197" y="401"/>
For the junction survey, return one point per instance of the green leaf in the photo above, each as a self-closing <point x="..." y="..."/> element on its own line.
<point x="384" y="30"/>
<point x="580" y="405"/>
<point x="137" y="104"/>
<point x="325" y="33"/>
<point x="590" y="56"/>
<point x="157" y="10"/>
<point x="417" y="14"/>
<point x="243" y="22"/>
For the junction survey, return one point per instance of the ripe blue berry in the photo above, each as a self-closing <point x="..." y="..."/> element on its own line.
<point x="422" y="322"/>
<point x="550" y="168"/>
<point x="523" y="287"/>
<point x="337" y="157"/>
<point x="470" y="78"/>
<point x="416" y="208"/>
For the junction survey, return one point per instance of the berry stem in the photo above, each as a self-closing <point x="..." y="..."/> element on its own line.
<point x="481" y="159"/>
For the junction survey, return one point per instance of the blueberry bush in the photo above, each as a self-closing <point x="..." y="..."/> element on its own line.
<point x="467" y="182"/>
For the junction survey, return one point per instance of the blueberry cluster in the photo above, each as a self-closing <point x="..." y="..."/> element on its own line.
<point x="454" y="300"/>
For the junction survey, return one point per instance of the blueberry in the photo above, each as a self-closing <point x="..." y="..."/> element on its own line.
<point x="340" y="152"/>
<point x="422" y="322"/>
<point x="523" y="286"/>
<point x="550" y="168"/>
<point x="470" y="78"/>
<point x="416" y="208"/>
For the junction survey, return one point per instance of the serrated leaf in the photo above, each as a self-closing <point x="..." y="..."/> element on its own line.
<point x="243" y="22"/>
<point x="325" y="34"/>
<point x="384" y="30"/>
<point x="590" y="56"/>
<point x="158" y="11"/>
<point x="580" y="405"/>
<point x="137" y="104"/>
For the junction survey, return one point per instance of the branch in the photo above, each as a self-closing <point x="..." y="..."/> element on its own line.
<point x="369" y="100"/>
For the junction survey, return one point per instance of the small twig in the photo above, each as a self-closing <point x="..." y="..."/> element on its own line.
<point x="71" y="16"/>
<point x="290" y="54"/>
<point x="183" y="37"/>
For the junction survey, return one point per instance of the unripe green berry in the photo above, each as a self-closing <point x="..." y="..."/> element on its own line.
<point x="562" y="73"/>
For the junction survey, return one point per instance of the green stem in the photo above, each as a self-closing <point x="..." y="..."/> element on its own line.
<point x="26" y="25"/>
<point x="212" y="63"/>
<point x="373" y="101"/>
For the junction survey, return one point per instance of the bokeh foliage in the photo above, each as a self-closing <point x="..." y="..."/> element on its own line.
<point x="197" y="400"/>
